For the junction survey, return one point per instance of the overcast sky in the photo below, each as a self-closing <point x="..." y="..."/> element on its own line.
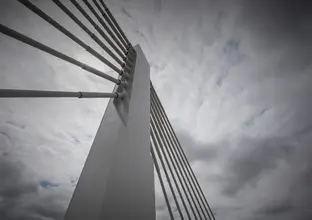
<point x="233" y="75"/>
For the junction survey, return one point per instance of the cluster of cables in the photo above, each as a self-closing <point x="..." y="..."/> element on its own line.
<point x="122" y="51"/>
<point x="189" y="199"/>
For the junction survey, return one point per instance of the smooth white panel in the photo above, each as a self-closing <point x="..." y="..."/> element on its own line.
<point x="117" y="181"/>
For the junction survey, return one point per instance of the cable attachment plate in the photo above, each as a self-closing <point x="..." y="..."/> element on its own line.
<point x="125" y="88"/>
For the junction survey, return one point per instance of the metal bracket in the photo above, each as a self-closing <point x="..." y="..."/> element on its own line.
<point x="124" y="89"/>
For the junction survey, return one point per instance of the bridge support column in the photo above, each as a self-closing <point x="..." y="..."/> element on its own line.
<point x="117" y="181"/>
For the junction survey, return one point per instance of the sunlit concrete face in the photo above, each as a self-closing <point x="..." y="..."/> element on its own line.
<point x="117" y="181"/>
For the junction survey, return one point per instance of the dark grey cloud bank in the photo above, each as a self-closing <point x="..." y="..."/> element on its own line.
<point x="277" y="169"/>
<point x="21" y="195"/>
<point x="240" y="103"/>
<point x="274" y="170"/>
<point x="281" y="24"/>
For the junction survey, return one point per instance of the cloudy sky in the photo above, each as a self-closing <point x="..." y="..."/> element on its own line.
<point x="233" y="75"/>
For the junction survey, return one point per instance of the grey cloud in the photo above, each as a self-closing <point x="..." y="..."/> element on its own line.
<point x="141" y="35"/>
<point x="48" y="208"/>
<point x="157" y="67"/>
<point x="126" y="12"/>
<point x="254" y="159"/>
<point x="19" y="195"/>
<point x="282" y="25"/>
<point x="248" y="162"/>
<point x="255" y="117"/>
<point x="13" y="184"/>
<point x="260" y="160"/>
<point x="276" y="208"/>
<point x="232" y="58"/>
<point x="47" y="184"/>
<point x="305" y="130"/>
<point x="218" y="22"/>
<point x="196" y="151"/>
<point x="3" y="133"/>
<point x="158" y="5"/>
<point x="268" y="16"/>
<point x="17" y="125"/>
<point x="231" y="47"/>
<point x="12" y="187"/>
<point x="75" y="139"/>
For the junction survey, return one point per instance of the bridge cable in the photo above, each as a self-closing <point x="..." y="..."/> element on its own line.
<point x="115" y="23"/>
<point x="99" y="30"/>
<point x="129" y="50"/>
<point x="104" y="25"/>
<point x="174" y="149"/>
<point x="156" y="139"/>
<point x="17" y="93"/>
<point x="27" y="40"/>
<point x="179" y="163"/>
<point x="185" y="160"/>
<point x="51" y="21"/>
<point x="187" y="165"/>
<point x="175" y="165"/>
<point x="109" y="21"/>
<point x="161" y="180"/>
